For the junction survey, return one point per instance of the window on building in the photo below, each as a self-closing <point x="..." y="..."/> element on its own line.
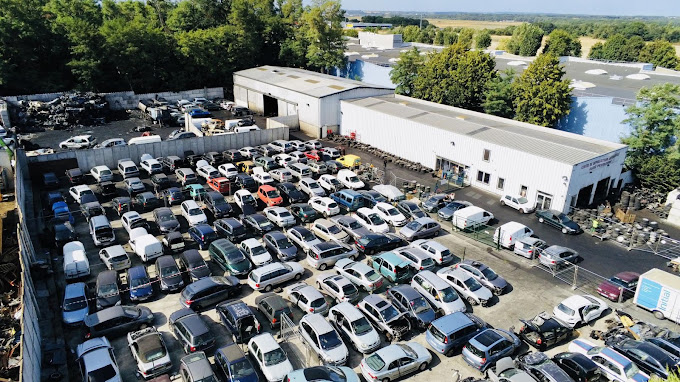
<point x="487" y="155"/>
<point x="523" y="191"/>
<point x="483" y="177"/>
<point x="501" y="183"/>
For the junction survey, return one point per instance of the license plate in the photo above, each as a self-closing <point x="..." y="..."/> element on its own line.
<point x="378" y="284"/>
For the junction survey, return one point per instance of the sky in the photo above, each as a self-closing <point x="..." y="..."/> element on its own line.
<point x="588" y="7"/>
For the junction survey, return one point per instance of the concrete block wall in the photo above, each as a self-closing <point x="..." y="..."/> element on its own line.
<point x="291" y="121"/>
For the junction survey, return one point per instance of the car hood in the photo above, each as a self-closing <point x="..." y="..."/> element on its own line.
<point x="290" y="251"/>
<point x="200" y="273"/>
<point x="141" y="291"/>
<point x="172" y="280"/>
<point x="406" y="231"/>
<point x="572" y="225"/>
<point x="608" y="287"/>
<point x="498" y="282"/>
<point x="426" y="316"/>
<point x="277" y="372"/>
<point x="75" y="316"/>
<point x="169" y="225"/>
<point x="446" y="212"/>
<point x="106" y="301"/>
<point x="240" y="266"/>
<point x="338" y="353"/>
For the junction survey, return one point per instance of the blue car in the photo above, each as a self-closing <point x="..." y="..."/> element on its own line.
<point x="239" y="320"/>
<point x="487" y="347"/>
<point x="61" y="212"/>
<point x="203" y="235"/>
<point x="139" y="283"/>
<point x="234" y="364"/>
<point x="199" y="113"/>
<point x="449" y="333"/>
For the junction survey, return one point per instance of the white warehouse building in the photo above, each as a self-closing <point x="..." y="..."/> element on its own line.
<point x="552" y="168"/>
<point x="300" y="97"/>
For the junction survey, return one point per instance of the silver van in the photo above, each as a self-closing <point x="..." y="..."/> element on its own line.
<point x="324" y="255"/>
<point x="267" y="277"/>
<point x="300" y="170"/>
<point x="529" y="247"/>
<point x="127" y="168"/>
<point x="438" y="293"/>
<point x="101" y="231"/>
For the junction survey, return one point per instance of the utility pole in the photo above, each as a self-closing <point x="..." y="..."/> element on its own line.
<point x="421" y="21"/>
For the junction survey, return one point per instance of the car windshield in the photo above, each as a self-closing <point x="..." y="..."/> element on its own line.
<point x="333" y="181"/>
<point x="564" y="218"/>
<point x="631" y="370"/>
<point x="375" y="362"/>
<point x="76" y="303"/>
<point x="489" y="274"/>
<point x="283" y="243"/>
<point x="247" y="198"/>
<point x="355" y="225"/>
<point x="308" y="236"/>
<point x="195" y="212"/>
<point x="102" y="374"/>
<point x="413" y="226"/>
<point x="389" y="313"/>
<point x="219" y="201"/>
<point x="169" y="271"/>
<point x="375" y="219"/>
<point x="448" y="295"/>
<point x="166" y="217"/>
<point x="618" y="281"/>
<point x="272" y="194"/>
<point x="265" y="224"/>
<point x="139" y="282"/>
<point x="361" y="326"/>
<point x="392" y="211"/>
<point x="318" y="303"/>
<point x="153" y="354"/>
<point x="105" y="172"/>
<point x="285" y="214"/>
<point x="334" y="229"/>
<point x="353" y="179"/>
<point x="258" y="250"/>
<point x="565" y="309"/>
<point x="274" y="357"/>
<point x="419" y="305"/>
<point x="472" y="284"/>
<point x="372" y="276"/>
<point x="329" y="340"/>
<point x="235" y="256"/>
<point x="108" y="289"/>
<point x="240" y="369"/>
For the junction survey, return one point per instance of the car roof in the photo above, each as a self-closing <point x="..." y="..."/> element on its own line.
<point x="456" y="272"/>
<point x="107" y="276"/>
<point x="165" y="260"/>
<point x="266" y="342"/>
<point x="486" y="339"/>
<point x="392" y="258"/>
<point x="391" y="353"/>
<point x="190" y="204"/>
<point x="238" y="309"/>
<point x="203" y="228"/>
<point x="274" y="300"/>
<point x="627" y="276"/>
<point x="267" y="268"/>
<point x="452" y="322"/>
<point x="231" y="352"/>
<point x="373" y="299"/>
<point x="576" y="302"/>
<point x="252" y="242"/>
<point x="276" y="235"/>
<point x="317" y="322"/>
<point x="407" y="291"/>
<point x="197" y="365"/>
<point x="75" y="289"/>
<point x="424" y="220"/>
<point x="107" y="314"/>
<point x="138" y="271"/>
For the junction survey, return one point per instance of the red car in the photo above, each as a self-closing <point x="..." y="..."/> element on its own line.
<point x="269" y="195"/>
<point x="313" y="155"/>
<point x="624" y="282"/>
<point x="220" y="185"/>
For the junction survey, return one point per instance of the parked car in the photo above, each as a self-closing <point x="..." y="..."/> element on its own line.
<point x="306" y="297"/>
<point x="273" y="306"/>
<point x="234" y="364"/>
<point x="134" y="186"/>
<point x="107" y="289"/>
<point x="269" y="195"/>
<point x="518" y="202"/>
<point x="166" y="220"/>
<point x="613" y="365"/>
<point x="411" y="209"/>
<point x="219" y="184"/>
<point x="420" y="228"/>
<point x="191" y="331"/>
<point x="448" y="334"/>
<point x="556" y="256"/>
<point x="390" y="214"/>
<point x="371" y="220"/>
<point x="99" y="173"/>
<point x="385" y="317"/>
<point x="270" y="275"/>
<point x="353" y="325"/>
<point x="544" y="331"/>
<point x="228" y="170"/>
<point x="256" y="252"/>
<point x="95" y="358"/>
<point x="195" y="367"/>
<point x="488" y="346"/>
<point x="419" y="260"/>
<point x="329" y="183"/>
<point x="280" y="216"/>
<point x="395" y="361"/>
<point x="263" y="178"/>
<point x="203" y="235"/>
<point x="215" y="203"/>
<point x="650" y="358"/>
<point x="160" y="181"/>
<point x="193" y="214"/>
<point x="408" y="300"/>
<point x="446" y="212"/>
<point x="139" y="283"/>
<point x="351" y="226"/>
<point x="505" y="370"/>
<point x="75" y="305"/>
<point x="377" y="242"/>
<point x="441" y="296"/>
<point x="229" y="258"/>
<point x="270" y="358"/>
<point x="239" y="320"/>
<point x="484" y="275"/>
<point x="323" y="339"/>
<point x="208" y="291"/>
<point x="172" y="196"/>
<point x="63" y="232"/>
<point x="558" y="220"/>
<point x="115" y="257"/>
<point x="466" y="286"/>
<point x="192" y="265"/>
<point x="435" y="202"/>
<point x="230" y="229"/>
<point x="579" y="310"/>
<point x="278" y="244"/>
<point x="324" y="206"/>
<point x="149" y="352"/>
<point x="302" y="238"/>
<point x="529" y="247"/>
<point x="117" y="320"/>
<point x="620" y="286"/>
<point x="579" y="367"/>
<point x="244" y="198"/>
<point x="85" y="141"/>
<point x="257" y="224"/>
<point x="290" y="194"/>
<point x="338" y="287"/>
<point x="329" y="231"/>
<point x="168" y="273"/>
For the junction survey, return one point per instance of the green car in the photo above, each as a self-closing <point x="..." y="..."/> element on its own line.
<point x="303" y="212"/>
<point x="195" y="190"/>
<point x="392" y="267"/>
<point x="229" y="257"/>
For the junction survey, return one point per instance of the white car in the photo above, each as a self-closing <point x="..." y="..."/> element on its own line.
<point x="284" y="159"/>
<point x="263" y="177"/>
<point x="437" y="251"/>
<point x="466" y="286"/>
<point x="327" y="230"/>
<point x="228" y="170"/>
<point x="79" y="142"/>
<point x="322" y="338"/>
<point x="306" y="297"/>
<point x="114" y="257"/>
<point x="303" y="238"/>
<point x="579" y="310"/>
<point x="298" y="157"/>
<point x="313" y="145"/>
<point x="95" y="358"/>
<point x="256" y="252"/>
<point x="78" y="191"/>
<point x="134" y="234"/>
<point x="249" y="151"/>
<point x="347" y="319"/>
<point x="193" y="213"/>
<point x="151" y="166"/>
<point x="207" y="172"/>
<point x="279" y="216"/>
<point x="310" y="187"/>
<point x="371" y="220"/>
<point x="349" y="179"/>
<point x="331" y="152"/>
<point x="129" y="219"/>
<point x="227" y="105"/>
<point x="281" y="175"/>
<point x="102" y="173"/>
<point x="390" y="214"/>
<point x="243" y="197"/>
<point x="520" y="203"/>
<point x="324" y="205"/>
<point x="298" y="145"/>
<point x="614" y="365"/>
<point x="271" y="359"/>
<point x="338" y="286"/>
<point x="149" y="352"/>
<point x="329" y="183"/>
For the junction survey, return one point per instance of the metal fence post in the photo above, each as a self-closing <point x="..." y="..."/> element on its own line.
<point x="620" y="294"/>
<point x="498" y="240"/>
<point x="575" y="277"/>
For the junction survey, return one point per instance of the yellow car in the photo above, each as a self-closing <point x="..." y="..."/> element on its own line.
<point x="350" y="161"/>
<point x="245" y="166"/>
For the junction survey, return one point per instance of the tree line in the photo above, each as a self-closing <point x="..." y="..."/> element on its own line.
<point x="109" y="45"/>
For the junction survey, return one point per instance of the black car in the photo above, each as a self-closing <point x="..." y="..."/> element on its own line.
<point x="273" y="306"/>
<point x="146" y="201"/>
<point x="166" y="220"/>
<point x="304" y="212"/>
<point x="50" y="180"/>
<point x="75" y="176"/>
<point x="191" y="159"/>
<point x="542" y="368"/>
<point x="544" y="331"/>
<point x="558" y="220"/>
<point x="121" y="205"/>
<point x="378" y="242"/>
<point x="117" y="320"/>
<point x="257" y="224"/>
<point x="372" y="197"/>
<point x="208" y="291"/>
<point x="411" y="209"/>
<point x="173" y="242"/>
<point x="216" y="204"/>
<point x="237" y="317"/>
<point x="191" y="331"/>
<point x="91" y="209"/>
<point x="192" y="264"/>
<point x="648" y="357"/>
<point x="333" y="166"/>
<point x="169" y="275"/>
<point x="172" y="163"/>
<point x="231" y="229"/>
<point x="291" y="194"/>
<point x="107" y="290"/>
<point x="214" y="158"/>
<point x="160" y="182"/>
<point x="233" y="155"/>
<point x="246" y="182"/>
<point x="107" y="188"/>
<point x="579" y="367"/>
<point x="172" y="196"/>
<point x="63" y="232"/>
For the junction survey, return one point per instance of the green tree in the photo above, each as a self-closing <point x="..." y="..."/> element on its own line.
<point x="542" y="96"/>
<point x="198" y="14"/>
<point x="660" y="173"/>
<point x="660" y="53"/>
<point x="499" y="97"/>
<point x="562" y="43"/>
<point x="455" y="77"/>
<point x="324" y="33"/>
<point x="483" y="39"/>
<point x="405" y="71"/>
<point x="439" y="38"/>
<point x="526" y="39"/>
<point x="618" y="48"/>
<point x="450" y="36"/>
<point x="294" y="45"/>
<point x="465" y="37"/>
<point x="208" y="55"/>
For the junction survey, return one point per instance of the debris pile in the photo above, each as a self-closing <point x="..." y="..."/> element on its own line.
<point x="11" y="305"/>
<point x="64" y="112"/>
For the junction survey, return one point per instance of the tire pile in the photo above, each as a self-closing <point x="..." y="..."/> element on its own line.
<point x="627" y="234"/>
<point x="384" y="155"/>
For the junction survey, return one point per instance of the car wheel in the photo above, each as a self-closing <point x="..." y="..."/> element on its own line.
<point x="471" y="301"/>
<point x="521" y="210"/>
<point x="353" y="258"/>
<point x="297" y="278"/>
<point x="540" y="220"/>
<point x="422" y="366"/>
<point x="325" y="214"/>
<point x="502" y="203"/>
<point x="564" y="231"/>
<point x="143" y="326"/>
<point x="385" y="380"/>
<point x="388" y="337"/>
<point x="268" y="288"/>
<point x="323" y="267"/>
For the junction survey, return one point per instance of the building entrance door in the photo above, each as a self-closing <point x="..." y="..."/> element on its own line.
<point x="543" y="201"/>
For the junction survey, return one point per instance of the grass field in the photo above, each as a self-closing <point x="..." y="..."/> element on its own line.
<point x="476" y="24"/>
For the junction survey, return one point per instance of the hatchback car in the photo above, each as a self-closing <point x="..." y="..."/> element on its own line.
<point x="392" y="267"/>
<point x="420" y="228"/>
<point x="256" y="252"/>
<point x="273" y="306"/>
<point x="529" y="247"/>
<point x="544" y="331"/>
<point x="290" y="193"/>
<point x="395" y="361"/>
<point x="239" y="320"/>
<point x="278" y="245"/>
<point x="216" y="204"/>
<point x="579" y="367"/>
<point x="107" y="289"/>
<point x="351" y="226"/>
<point x="270" y="358"/>
<point x="166" y="220"/>
<point x="139" y="284"/>
<point x="307" y="298"/>
<point x="115" y="257"/>
<point x="371" y="220"/>
<point x="117" y="320"/>
<point x="323" y="339"/>
<point x="303" y="238"/>
<point x="209" y="291"/>
<point x="191" y="264"/>
<point x="385" y="317"/>
<point x="97" y="360"/>
<point x="360" y="274"/>
<point x="149" y="352"/>
<point x="351" y="323"/>
<point x="257" y="224"/>
<point x="437" y="251"/>
<point x="411" y="209"/>
<point x="75" y="306"/>
<point x="338" y="287"/>
<point x="649" y="357"/>
<point x="408" y="300"/>
<point x="168" y="273"/>
<point x="540" y="366"/>
<point x="280" y="216"/>
<point x="234" y="364"/>
<point x="196" y="367"/>
<point x="435" y="202"/>
<point x="191" y="331"/>
<point x="579" y="309"/>
<point x="448" y="334"/>
<point x="557" y="256"/>
<point x="484" y="275"/>
<point x="558" y="220"/>
<point x="487" y="347"/>
<point x="377" y="242"/>
<point x="172" y="196"/>
<point x="304" y="212"/>
<point x="203" y="235"/>
<point x="230" y="229"/>
<point x="467" y="286"/>
<point x="613" y="365"/>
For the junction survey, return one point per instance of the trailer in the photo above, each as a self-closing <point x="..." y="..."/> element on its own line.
<point x="658" y="291"/>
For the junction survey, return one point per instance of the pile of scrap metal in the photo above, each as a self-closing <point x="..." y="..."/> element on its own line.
<point x="64" y="112"/>
<point x="627" y="326"/>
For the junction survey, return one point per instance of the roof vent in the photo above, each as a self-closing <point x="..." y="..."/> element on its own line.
<point x="312" y="81"/>
<point x="336" y="87"/>
<point x="461" y="117"/>
<point x="597" y="72"/>
<point x="638" y="76"/>
<point x="293" y="76"/>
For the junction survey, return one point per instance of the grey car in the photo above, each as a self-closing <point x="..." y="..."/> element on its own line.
<point x="278" y="245"/>
<point x="169" y="276"/>
<point x="75" y="306"/>
<point x="541" y="366"/>
<point x="273" y="306"/>
<point x="529" y="247"/>
<point x="557" y="256"/>
<point x="303" y="238"/>
<point x="191" y="331"/>
<point x="307" y="298"/>
<point x="395" y="362"/>
<point x="420" y="228"/>
<point x="350" y="225"/>
<point x="108" y="293"/>
<point x="117" y="320"/>
<point x="407" y="300"/>
<point x="411" y="209"/>
<point x="484" y="275"/>
<point x="446" y="212"/>
<point x="385" y="317"/>
<point x="505" y="371"/>
<point x="434" y="203"/>
<point x="196" y="368"/>
<point x="166" y="220"/>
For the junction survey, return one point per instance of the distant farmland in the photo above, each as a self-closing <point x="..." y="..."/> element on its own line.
<point x="476" y="24"/>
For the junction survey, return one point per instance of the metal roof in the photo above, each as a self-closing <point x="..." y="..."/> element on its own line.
<point x="544" y="142"/>
<point x="304" y="81"/>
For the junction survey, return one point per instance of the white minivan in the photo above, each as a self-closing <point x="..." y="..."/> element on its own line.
<point x="145" y="245"/>
<point x="469" y="217"/>
<point x="76" y="264"/>
<point x="349" y="179"/>
<point x="509" y="233"/>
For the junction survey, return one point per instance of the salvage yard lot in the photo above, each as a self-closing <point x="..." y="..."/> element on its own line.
<point x="531" y="291"/>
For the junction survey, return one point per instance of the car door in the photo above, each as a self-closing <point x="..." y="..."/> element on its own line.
<point x="302" y="302"/>
<point x="590" y="312"/>
<point x="406" y="366"/>
<point x="606" y="366"/>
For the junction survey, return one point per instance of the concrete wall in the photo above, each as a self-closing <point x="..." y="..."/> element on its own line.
<point x="199" y="145"/>
<point x="290" y="121"/>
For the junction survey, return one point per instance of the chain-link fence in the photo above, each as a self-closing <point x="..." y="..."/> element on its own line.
<point x="299" y="354"/>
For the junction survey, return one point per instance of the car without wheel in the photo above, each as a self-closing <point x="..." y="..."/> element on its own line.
<point x="544" y="331"/>
<point x="149" y="352"/>
<point x="505" y="370"/>
<point x="577" y="310"/>
<point x="385" y="317"/>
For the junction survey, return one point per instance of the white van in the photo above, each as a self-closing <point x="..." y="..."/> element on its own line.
<point x="300" y="170"/>
<point x="469" y="217"/>
<point x="510" y="232"/>
<point x="143" y="140"/>
<point x="101" y="231"/>
<point x="350" y="179"/>
<point x="127" y="168"/>
<point x="245" y="129"/>
<point x="76" y="264"/>
<point x="145" y="245"/>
